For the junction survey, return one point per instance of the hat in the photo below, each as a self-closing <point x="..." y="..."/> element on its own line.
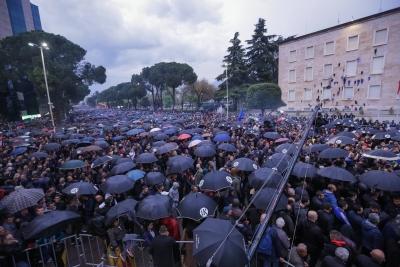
<point x="231" y="188"/>
<point x="226" y="209"/>
<point x="107" y="195"/>
<point x="280" y="222"/>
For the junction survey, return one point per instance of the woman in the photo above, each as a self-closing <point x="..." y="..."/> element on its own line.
<point x="188" y="259"/>
<point x="149" y="233"/>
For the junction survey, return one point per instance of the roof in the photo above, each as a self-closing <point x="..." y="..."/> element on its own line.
<point x="344" y="25"/>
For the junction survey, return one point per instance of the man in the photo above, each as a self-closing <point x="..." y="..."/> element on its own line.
<point x="301" y="191"/>
<point x="376" y="260"/>
<point x="372" y="237"/>
<point x="9" y="224"/>
<point x="13" y="246"/>
<point x="316" y="202"/>
<point x="236" y="211"/>
<point x="340" y="215"/>
<point x="144" y="193"/>
<point x="244" y="228"/>
<point x="376" y="208"/>
<point x="341" y="255"/>
<point x="60" y="204"/>
<point x="356" y="220"/>
<point x="393" y="207"/>
<point x="326" y="218"/>
<point x="194" y="189"/>
<point x="335" y="242"/>
<point x="300" y="209"/>
<point x="161" y="249"/>
<point x="329" y="195"/>
<point x="297" y="255"/>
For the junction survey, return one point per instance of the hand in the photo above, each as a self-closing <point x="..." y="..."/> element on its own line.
<point x="17" y="220"/>
<point x="305" y="264"/>
<point x="54" y="241"/>
<point x="281" y="259"/>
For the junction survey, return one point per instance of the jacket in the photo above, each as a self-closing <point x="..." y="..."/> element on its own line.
<point x="330" y="261"/>
<point x="362" y="261"/>
<point x="316" y="204"/>
<point x="330" y="197"/>
<point x="173" y="192"/>
<point x="311" y="236"/>
<point x="392" y="210"/>
<point x="116" y="234"/>
<point x="383" y="217"/>
<point x="356" y="221"/>
<point x="340" y="219"/>
<point x="161" y="249"/>
<point x="372" y="237"/>
<point x="295" y="259"/>
<point x="300" y="211"/>
<point x="148" y="237"/>
<point x="97" y="227"/>
<point x="173" y="227"/>
<point x="325" y="221"/>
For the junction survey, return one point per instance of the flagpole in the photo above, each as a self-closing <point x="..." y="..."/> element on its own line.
<point x="398" y="103"/>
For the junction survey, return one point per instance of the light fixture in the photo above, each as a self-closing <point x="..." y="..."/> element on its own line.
<point x="44" y="44"/>
<point x="31" y="44"/>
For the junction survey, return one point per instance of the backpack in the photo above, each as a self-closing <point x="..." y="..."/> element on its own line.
<point x="265" y="246"/>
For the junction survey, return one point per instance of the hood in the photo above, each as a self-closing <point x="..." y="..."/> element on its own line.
<point x="327" y="193"/>
<point x="231" y="189"/>
<point x="368" y="226"/>
<point x="175" y="185"/>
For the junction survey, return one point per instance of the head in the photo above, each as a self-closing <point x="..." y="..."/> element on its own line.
<point x="231" y="191"/>
<point x="312" y="216"/>
<point x="301" y="250"/>
<point x="375" y="207"/>
<point x="145" y="189"/>
<point x="342" y="254"/>
<point x="396" y="201"/>
<point x="358" y="208"/>
<point x="327" y="206"/>
<point x="235" y="203"/>
<point x="342" y="204"/>
<point x="163" y="230"/>
<point x="99" y="198"/>
<point x="305" y="200"/>
<point x="378" y="255"/>
<point x="116" y="222"/>
<point x="39" y="211"/>
<point x="149" y="225"/>
<point x="195" y="189"/>
<point x="280" y="222"/>
<point x="335" y="235"/>
<point x="373" y="218"/>
<point x="9" y="218"/>
<point x="320" y="195"/>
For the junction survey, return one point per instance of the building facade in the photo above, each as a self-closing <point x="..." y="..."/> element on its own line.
<point x="349" y="66"/>
<point x="18" y="16"/>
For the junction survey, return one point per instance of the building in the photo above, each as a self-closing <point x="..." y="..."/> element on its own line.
<point x="18" y="16"/>
<point x="349" y="66"/>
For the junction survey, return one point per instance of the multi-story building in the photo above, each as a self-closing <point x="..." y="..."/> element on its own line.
<point x="349" y="66"/>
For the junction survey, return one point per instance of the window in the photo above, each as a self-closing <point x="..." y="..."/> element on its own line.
<point x="292" y="95"/>
<point x="380" y="37"/>
<point x="310" y="52"/>
<point x="326" y="93"/>
<point x="348" y="93"/>
<point x="292" y="76"/>
<point x="293" y="56"/>
<point x="307" y="94"/>
<point x="351" y="68"/>
<point x="377" y="65"/>
<point x="328" y="71"/>
<point x="352" y="43"/>
<point x="374" y="92"/>
<point x="308" y="74"/>
<point x="329" y="48"/>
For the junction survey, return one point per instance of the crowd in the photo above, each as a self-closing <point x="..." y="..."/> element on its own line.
<point x="327" y="221"/>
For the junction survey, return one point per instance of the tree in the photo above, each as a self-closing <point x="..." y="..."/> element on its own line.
<point x="69" y="75"/>
<point x="202" y="91"/>
<point x="91" y="101"/>
<point x="264" y="96"/>
<point x="262" y="55"/>
<point x="144" y="102"/>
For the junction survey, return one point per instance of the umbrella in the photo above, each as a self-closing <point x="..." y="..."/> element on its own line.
<point x="216" y="180"/>
<point x="263" y="198"/>
<point x="18" y="151"/>
<point x="337" y="173"/>
<point x="123" y="167"/>
<point x="194" y="143"/>
<point x="91" y="148"/>
<point x="197" y="137"/>
<point x="163" y="149"/>
<point x="278" y="161"/>
<point x="221" y="138"/>
<point x="206" y="143"/>
<point x="87" y="138"/>
<point x="117" y="184"/>
<point x="159" y="143"/>
<point x="22" y="199"/>
<point x="146" y="158"/>
<point x="154" y="207"/>
<point x="384" y="135"/>
<point x="265" y="177"/>
<point x="220" y="243"/>
<point x="114" y="159"/>
<point x="49" y="224"/>
<point x="332" y="153"/>
<point x="341" y="140"/>
<point x="381" y="154"/>
<point x="117" y="138"/>
<point x="170" y="131"/>
<point x="122" y="160"/>
<point x="153" y="178"/>
<point x="207" y="135"/>
<point x="38" y="155"/>
<point x="280" y="140"/>
<point x="302" y="169"/>
<point x="227" y="147"/>
<point x="245" y="164"/>
<point x="155" y="130"/>
<point x="124" y="207"/>
<point x="316" y="148"/>
<point x="184" y="136"/>
<point x="135" y="131"/>
<point x="347" y="134"/>
<point x="161" y="136"/>
<point x="272" y="135"/>
<point x="372" y="131"/>
<point x="286" y="149"/>
<point x="100" y="161"/>
<point x="51" y="146"/>
<point x="312" y="134"/>
<point x="80" y="188"/>
<point x="179" y="164"/>
<point x="136" y="174"/>
<point x="73" y="164"/>
<point x="205" y="151"/>
<point x="381" y="180"/>
<point x="197" y="206"/>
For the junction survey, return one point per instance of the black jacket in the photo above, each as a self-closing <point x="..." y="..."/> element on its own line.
<point x="161" y="249"/>
<point x="362" y="261"/>
<point x="97" y="227"/>
<point x="325" y="221"/>
<point x="330" y="261"/>
<point x="392" y="210"/>
<point x="311" y="236"/>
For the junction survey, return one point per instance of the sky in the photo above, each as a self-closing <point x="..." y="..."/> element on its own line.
<point x="125" y="36"/>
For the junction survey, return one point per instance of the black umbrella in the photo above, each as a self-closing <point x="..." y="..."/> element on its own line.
<point x="216" y="180"/>
<point x="72" y="164"/>
<point x="382" y="180"/>
<point x="264" y="197"/>
<point x="38" y="155"/>
<point x="146" y="158"/>
<point x="272" y="135"/>
<point x="197" y="206"/>
<point x="102" y="144"/>
<point x="122" y="208"/>
<point x="382" y="135"/>
<point x="179" y="164"/>
<point x="341" y="140"/>
<point x="51" y="146"/>
<point x="332" y="153"/>
<point x="49" y="224"/>
<point x="154" y="207"/>
<point x="117" y="184"/>
<point x="122" y="160"/>
<point x="381" y="154"/>
<point x="316" y="148"/>
<point x="227" y="147"/>
<point x="206" y="143"/>
<point x="337" y="173"/>
<point x="161" y="150"/>
<point x="18" y="151"/>
<point x="100" y="161"/>
<point x="159" y="143"/>
<point x="286" y="149"/>
<point x="278" y="161"/>
<point x="205" y="151"/>
<point x="80" y="188"/>
<point x="22" y="199"/>
<point x="265" y="177"/>
<point x="220" y="242"/>
<point x="114" y="159"/>
<point x="347" y="134"/>
<point x="161" y="136"/>
<point x="153" y="178"/>
<point x="123" y="167"/>
<point x="245" y="164"/>
<point x="302" y="170"/>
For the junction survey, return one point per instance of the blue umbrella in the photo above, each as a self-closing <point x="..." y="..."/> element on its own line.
<point x="197" y="137"/>
<point x="117" y="138"/>
<point x="88" y="138"/>
<point x="18" y="151"/>
<point x="9" y="133"/>
<point x="136" y="174"/>
<point x="221" y="138"/>
<point x="170" y="131"/>
<point x="135" y="131"/>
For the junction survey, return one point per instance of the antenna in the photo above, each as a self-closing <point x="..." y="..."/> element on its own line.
<point x="338" y="22"/>
<point x="380" y="6"/>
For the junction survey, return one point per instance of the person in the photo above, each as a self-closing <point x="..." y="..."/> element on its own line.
<point x="161" y="249"/>
<point x="96" y="227"/>
<point x="326" y="218"/>
<point x="285" y="240"/>
<point x="376" y="260"/>
<point x="372" y="236"/>
<point x="329" y="195"/>
<point x="340" y="215"/>
<point x="316" y="202"/>
<point x="244" y="228"/>
<point x="393" y="207"/>
<point x="188" y="259"/>
<point x="335" y="241"/>
<point x="118" y="235"/>
<point x="300" y="209"/>
<point x="174" y="194"/>
<point x="341" y="255"/>
<point x="230" y="196"/>
<point x="13" y="246"/>
<point x="356" y="220"/>
<point x="311" y="235"/>
<point x="376" y="208"/>
<point x="297" y="255"/>
<point x="236" y="211"/>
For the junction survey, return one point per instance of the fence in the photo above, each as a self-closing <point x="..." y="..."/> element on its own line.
<point x="85" y="250"/>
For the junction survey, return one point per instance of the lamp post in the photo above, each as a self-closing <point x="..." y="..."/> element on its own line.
<point x="227" y="99"/>
<point x="44" y="46"/>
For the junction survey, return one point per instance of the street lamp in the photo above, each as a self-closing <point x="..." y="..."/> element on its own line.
<point x="227" y="100"/>
<point x="44" y="46"/>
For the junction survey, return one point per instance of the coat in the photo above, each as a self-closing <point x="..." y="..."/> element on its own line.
<point x="116" y="234"/>
<point x="295" y="259"/>
<point x="330" y="261"/>
<point x="363" y="260"/>
<point x="311" y="236"/>
<point x="161" y="249"/>
<point x="325" y="221"/>
<point x="372" y="236"/>
<point x="148" y="237"/>
<point x="330" y="197"/>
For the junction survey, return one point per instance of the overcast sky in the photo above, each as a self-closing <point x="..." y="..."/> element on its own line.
<point x="127" y="35"/>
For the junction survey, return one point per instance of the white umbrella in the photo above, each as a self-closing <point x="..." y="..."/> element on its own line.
<point x="194" y="143"/>
<point x="155" y="130"/>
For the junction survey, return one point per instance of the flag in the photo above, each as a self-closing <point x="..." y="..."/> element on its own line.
<point x="398" y="89"/>
<point x="241" y="114"/>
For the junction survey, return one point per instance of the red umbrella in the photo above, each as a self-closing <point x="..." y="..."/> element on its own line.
<point x="184" y="136"/>
<point x="280" y="140"/>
